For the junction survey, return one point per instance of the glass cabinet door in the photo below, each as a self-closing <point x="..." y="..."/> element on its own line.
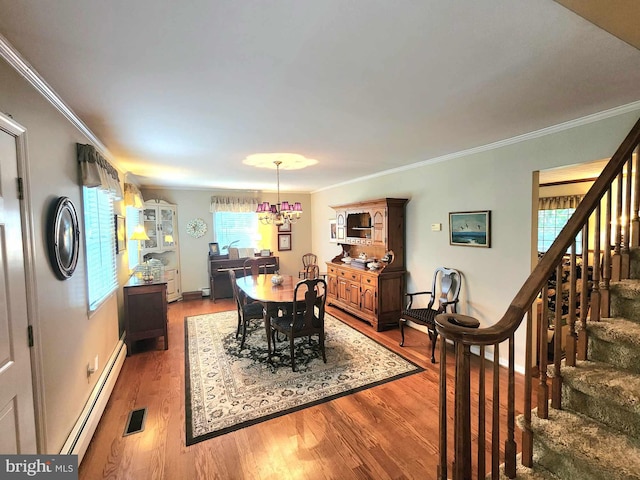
<point x="167" y="219"/>
<point x="149" y="217"/>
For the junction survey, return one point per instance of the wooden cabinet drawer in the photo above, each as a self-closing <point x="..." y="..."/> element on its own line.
<point x="349" y="275"/>
<point x="372" y="281"/>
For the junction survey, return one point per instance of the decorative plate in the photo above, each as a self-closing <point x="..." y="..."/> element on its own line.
<point x="196" y="228"/>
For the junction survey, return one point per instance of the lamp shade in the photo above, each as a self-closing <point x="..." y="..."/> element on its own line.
<point x="139" y="234"/>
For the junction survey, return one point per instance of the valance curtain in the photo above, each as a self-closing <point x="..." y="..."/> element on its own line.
<point x="132" y="196"/>
<point x="233" y="204"/>
<point x="557" y="203"/>
<point x="96" y="171"/>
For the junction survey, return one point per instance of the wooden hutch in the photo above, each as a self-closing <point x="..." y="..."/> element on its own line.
<point x="367" y="231"/>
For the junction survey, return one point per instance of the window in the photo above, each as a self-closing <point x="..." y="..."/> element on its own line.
<point x="239" y="228"/>
<point x="100" y="244"/>
<point x="550" y="223"/>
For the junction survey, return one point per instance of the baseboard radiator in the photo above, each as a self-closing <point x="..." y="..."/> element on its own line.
<point x="78" y="441"/>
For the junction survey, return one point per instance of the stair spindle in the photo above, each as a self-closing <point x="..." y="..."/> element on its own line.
<point x="635" y="222"/>
<point x="616" y="259"/>
<point x="626" y="225"/>
<point x="595" y="289"/>
<point x="605" y="299"/>
<point x="572" y="337"/>
<point x="556" y="381"/>
<point x="527" y="434"/>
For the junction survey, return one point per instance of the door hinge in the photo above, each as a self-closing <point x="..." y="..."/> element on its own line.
<point x="20" y="188"/>
<point x="30" y="335"/>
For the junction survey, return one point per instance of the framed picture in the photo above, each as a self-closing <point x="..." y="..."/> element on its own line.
<point x="333" y="231"/>
<point x="340" y="233"/>
<point x="121" y="234"/>
<point x="284" y="242"/>
<point x="214" y="249"/>
<point x="470" y="229"/>
<point x="285" y="227"/>
<point x="265" y="253"/>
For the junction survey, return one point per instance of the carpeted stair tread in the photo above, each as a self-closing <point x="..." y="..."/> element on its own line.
<point x="615" y="330"/>
<point x="625" y="299"/>
<point x="525" y="473"/>
<point x="607" y="394"/>
<point x="575" y="446"/>
<point x="600" y="379"/>
<point x="629" y="288"/>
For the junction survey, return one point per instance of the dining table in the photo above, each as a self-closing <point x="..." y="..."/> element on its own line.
<point x="273" y="297"/>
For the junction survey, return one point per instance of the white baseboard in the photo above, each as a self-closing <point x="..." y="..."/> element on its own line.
<point x="82" y="432"/>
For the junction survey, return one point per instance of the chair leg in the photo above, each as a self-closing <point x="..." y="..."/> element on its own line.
<point x="239" y="325"/>
<point x="321" y="340"/>
<point x="244" y="334"/>
<point x="401" y="324"/>
<point x="293" y="362"/>
<point x="434" y="340"/>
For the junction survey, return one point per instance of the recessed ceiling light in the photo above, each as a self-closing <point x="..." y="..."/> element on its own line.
<point x="289" y="161"/>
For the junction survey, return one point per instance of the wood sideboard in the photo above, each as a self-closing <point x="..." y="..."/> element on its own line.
<point x="145" y="309"/>
<point x="370" y="229"/>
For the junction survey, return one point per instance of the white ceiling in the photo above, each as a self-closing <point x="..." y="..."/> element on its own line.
<point x="181" y="92"/>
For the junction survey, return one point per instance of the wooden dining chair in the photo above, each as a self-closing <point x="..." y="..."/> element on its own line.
<point x="307" y="259"/>
<point x="311" y="271"/>
<point x="448" y="282"/>
<point x="255" y="266"/>
<point x="247" y="311"/>
<point x="306" y="317"/>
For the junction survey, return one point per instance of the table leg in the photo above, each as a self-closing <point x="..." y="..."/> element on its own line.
<point x="267" y="325"/>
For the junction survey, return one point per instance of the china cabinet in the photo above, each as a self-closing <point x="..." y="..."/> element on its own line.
<point x="359" y="280"/>
<point x="159" y="219"/>
<point x="161" y="225"/>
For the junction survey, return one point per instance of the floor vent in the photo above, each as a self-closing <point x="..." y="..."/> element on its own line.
<point x="135" y="422"/>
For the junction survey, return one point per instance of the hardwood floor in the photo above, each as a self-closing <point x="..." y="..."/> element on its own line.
<point x="389" y="431"/>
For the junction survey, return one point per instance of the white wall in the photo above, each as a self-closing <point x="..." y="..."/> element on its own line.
<point x="499" y="180"/>
<point x="66" y="336"/>
<point x="194" y="251"/>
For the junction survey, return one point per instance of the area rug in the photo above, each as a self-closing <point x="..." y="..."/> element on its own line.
<point x="228" y="388"/>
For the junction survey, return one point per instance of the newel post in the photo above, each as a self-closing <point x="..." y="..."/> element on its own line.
<point x="462" y="421"/>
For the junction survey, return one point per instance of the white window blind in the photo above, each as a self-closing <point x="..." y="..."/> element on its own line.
<point x="100" y="244"/>
<point x="239" y="228"/>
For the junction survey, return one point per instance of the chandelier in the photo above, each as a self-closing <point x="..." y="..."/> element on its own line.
<point x="280" y="213"/>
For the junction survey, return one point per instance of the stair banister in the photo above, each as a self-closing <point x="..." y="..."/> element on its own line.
<point x="510" y="321"/>
<point x="505" y="328"/>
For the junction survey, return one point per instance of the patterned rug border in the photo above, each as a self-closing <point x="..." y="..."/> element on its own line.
<point x="191" y="440"/>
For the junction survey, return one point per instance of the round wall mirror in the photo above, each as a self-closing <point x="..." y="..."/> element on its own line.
<point x="64" y="238"/>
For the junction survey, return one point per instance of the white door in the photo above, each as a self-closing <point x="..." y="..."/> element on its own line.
<point x="17" y="424"/>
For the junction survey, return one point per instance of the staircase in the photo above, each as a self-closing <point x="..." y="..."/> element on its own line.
<point x="586" y="420"/>
<point x="596" y="435"/>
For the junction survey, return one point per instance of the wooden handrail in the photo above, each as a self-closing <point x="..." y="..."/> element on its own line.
<point x="512" y="318"/>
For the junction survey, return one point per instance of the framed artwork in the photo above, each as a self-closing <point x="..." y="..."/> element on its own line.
<point x="285" y="227"/>
<point x="214" y="249"/>
<point x="121" y="234"/>
<point x="265" y="253"/>
<point x="470" y="229"/>
<point x="340" y="233"/>
<point x="333" y="231"/>
<point x="284" y="242"/>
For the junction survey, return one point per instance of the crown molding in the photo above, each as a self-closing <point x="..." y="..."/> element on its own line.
<point x="20" y="65"/>
<point x="595" y="117"/>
